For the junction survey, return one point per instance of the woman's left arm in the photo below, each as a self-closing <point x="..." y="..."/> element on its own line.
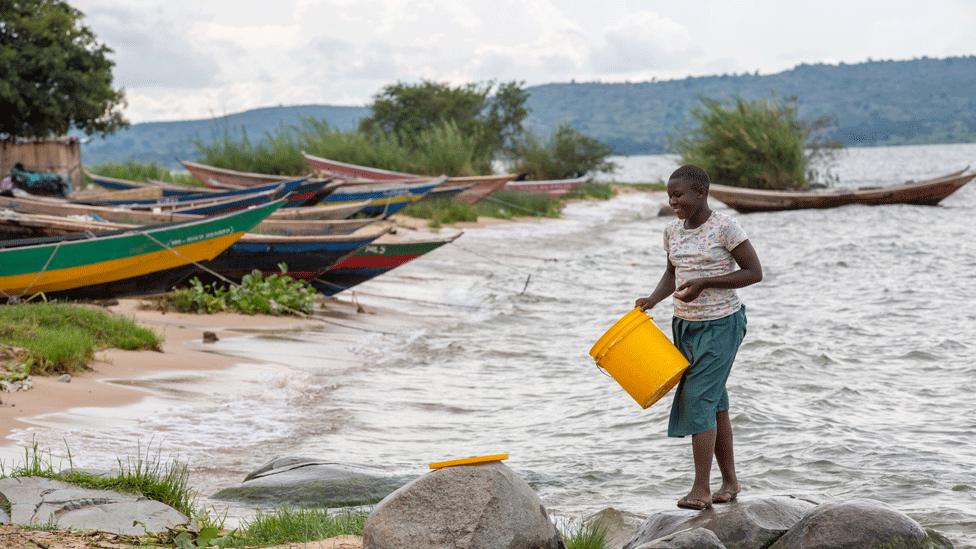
<point x="750" y="272"/>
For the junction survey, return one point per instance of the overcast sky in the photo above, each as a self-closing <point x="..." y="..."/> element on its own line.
<point x="181" y="59"/>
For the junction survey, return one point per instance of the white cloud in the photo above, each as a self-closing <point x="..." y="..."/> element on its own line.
<point x="188" y="58"/>
<point x="643" y="42"/>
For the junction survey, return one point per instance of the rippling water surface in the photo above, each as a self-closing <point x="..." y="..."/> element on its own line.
<point x="856" y="377"/>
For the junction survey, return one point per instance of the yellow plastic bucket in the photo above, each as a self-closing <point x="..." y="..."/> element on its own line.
<point x="640" y="358"/>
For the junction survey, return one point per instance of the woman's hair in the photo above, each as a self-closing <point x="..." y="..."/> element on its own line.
<point x="694" y="175"/>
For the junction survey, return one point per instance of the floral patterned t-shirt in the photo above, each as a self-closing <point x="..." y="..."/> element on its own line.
<point x="701" y="252"/>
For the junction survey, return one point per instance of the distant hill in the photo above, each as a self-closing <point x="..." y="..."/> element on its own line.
<point x="874" y="103"/>
<point x="164" y="142"/>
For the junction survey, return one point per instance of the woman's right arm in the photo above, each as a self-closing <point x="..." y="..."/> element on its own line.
<point x="665" y="287"/>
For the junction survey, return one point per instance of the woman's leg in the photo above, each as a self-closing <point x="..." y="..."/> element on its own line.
<point x="702" y="448"/>
<point x="725" y="457"/>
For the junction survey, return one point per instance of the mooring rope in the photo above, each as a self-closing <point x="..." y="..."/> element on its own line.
<point x="296" y="312"/>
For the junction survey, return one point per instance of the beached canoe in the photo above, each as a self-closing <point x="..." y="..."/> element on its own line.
<point x="96" y="194"/>
<point x="481" y="185"/>
<point x="928" y="193"/>
<point x="384" y="198"/>
<point x="77" y="215"/>
<point x="127" y="262"/>
<point x="372" y="261"/>
<point x="306" y="257"/>
<point x="223" y="178"/>
<point x="168" y="189"/>
<point x="552" y="187"/>
<point x="301" y="193"/>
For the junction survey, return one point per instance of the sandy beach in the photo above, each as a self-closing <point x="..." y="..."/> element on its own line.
<point x="182" y="350"/>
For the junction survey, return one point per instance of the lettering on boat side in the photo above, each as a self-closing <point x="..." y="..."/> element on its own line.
<point x="198" y="237"/>
<point x="376" y="249"/>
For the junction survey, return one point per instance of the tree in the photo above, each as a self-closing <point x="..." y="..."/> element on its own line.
<point x="567" y="153"/>
<point x="493" y="120"/>
<point x="760" y="144"/>
<point x="54" y="74"/>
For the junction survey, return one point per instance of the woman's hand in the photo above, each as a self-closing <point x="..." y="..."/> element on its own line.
<point x="689" y="291"/>
<point x="645" y="303"/>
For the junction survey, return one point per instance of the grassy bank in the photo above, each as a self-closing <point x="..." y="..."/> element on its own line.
<point x="506" y="205"/>
<point x="56" y="338"/>
<point x="287" y="525"/>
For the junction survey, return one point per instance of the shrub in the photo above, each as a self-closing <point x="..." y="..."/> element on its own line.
<point x="567" y="153"/>
<point x="279" y="153"/>
<point x="276" y="294"/>
<point x="759" y="144"/>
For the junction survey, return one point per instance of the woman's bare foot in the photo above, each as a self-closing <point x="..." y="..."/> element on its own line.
<point x="727" y="493"/>
<point x="696" y="500"/>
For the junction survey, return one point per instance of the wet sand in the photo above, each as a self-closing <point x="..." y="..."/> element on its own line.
<point x="182" y="350"/>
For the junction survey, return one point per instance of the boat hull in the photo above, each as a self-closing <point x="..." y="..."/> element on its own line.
<point x="923" y="193"/>
<point x="65" y="266"/>
<point x="370" y="262"/>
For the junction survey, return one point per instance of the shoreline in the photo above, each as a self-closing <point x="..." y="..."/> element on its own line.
<point x="104" y="384"/>
<point x="108" y="382"/>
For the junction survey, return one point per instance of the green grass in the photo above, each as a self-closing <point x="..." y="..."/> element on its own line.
<point x="585" y="536"/>
<point x="591" y="190"/>
<point x="646" y="187"/>
<point x="287" y="525"/>
<point x="60" y="338"/>
<point x="502" y="205"/>
<point x="146" y="474"/>
<point x="144" y="171"/>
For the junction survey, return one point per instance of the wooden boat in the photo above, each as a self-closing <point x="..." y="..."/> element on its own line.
<point x="127" y="262"/>
<point x="168" y="189"/>
<point x="552" y="187"/>
<point x="372" y="261"/>
<point x="928" y="193"/>
<point x="212" y="206"/>
<point x="302" y="193"/>
<point x="95" y="194"/>
<point x="323" y="211"/>
<point x="75" y="215"/>
<point x="481" y="185"/>
<point x="306" y="257"/>
<point x="222" y="177"/>
<point x="384" y="198"/>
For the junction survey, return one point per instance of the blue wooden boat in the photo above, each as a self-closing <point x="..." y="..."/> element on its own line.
<point x="303" y="193"/>
<point x="118" y="184"/>
<point x="384" y="198"/>
<point x="305" y="256"/>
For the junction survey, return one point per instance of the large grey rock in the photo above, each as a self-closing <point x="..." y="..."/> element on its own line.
<point x="618" y="526"/>
<point x="471" y="507"/>
<point x="695" y="538"/>
<point x="854" y="524"/>
<point x="40" y="501"/>
<point x="748" y="523"/>
<point x="311" y="482"/>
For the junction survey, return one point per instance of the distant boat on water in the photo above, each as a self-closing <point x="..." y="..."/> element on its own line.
<point x="927" y="193"/>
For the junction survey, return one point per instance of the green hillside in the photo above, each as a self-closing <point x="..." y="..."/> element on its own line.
<point x="164" y="142"/>
<point x="874" y="103"/>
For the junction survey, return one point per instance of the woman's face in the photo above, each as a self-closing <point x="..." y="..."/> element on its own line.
<point x="684" y="199"/>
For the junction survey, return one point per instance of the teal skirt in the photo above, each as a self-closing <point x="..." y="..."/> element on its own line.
<point x="710" y="346"/>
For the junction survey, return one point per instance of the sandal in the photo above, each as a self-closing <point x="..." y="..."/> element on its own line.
<point x="694" y="504"/>
<point x="725" y="497"/>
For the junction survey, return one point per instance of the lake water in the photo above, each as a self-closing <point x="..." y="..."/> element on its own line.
<point x="857" y="377"/>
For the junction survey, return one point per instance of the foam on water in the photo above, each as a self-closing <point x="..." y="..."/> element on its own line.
<point x="856" y="377"/>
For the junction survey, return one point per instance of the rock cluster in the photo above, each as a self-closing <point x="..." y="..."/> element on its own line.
<point x="476" y="506"/>
<point x="310" y="482"/>
<point x="785" y="523"/>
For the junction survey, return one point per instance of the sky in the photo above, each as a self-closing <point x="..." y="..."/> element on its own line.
<point x="183" y="59"/>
